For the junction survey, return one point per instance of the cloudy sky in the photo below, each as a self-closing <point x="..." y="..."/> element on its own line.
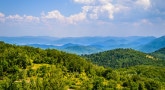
<point x="77" y="18"/>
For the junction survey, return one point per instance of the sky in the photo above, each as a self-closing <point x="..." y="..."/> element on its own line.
<point x="79" y="18"/>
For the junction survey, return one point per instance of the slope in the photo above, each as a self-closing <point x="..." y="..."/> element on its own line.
<point x="28" y="68"/>
<point x="119" y="58"/>
<point x="82" y="49"/>
<point x="24" y="67"/>
<point x="159" y="53"/>
<point x="154" y="45"/>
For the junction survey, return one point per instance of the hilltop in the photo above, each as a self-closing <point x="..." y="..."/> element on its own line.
<point x="120" y="58"/>
<point x="159" y="53"/>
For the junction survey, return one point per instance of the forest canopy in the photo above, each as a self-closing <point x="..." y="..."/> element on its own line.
<point x="29" y="68"/>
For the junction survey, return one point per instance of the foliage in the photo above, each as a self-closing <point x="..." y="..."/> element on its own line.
<point x="28" y="68"/>
<point x="121" y="58"/>
<point x="159" y="53"/>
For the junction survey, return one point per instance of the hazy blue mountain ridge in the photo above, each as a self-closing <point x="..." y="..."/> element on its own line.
<point x="88" y="45"/>
<point x="153" y="45"/>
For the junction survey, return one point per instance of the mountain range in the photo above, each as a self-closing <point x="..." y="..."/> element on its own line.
<point x="88" y="45"/>
<point x="154" y="45"/>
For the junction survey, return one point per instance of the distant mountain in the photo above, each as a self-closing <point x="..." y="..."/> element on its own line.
<point x="124" y="42"/>
<point x="71" y="48"/>
<point x="80" y="40"/>
<point x="44" y="46"/>
<point x="154" y="45"/>
<point x="28" y="40"/>
<point x="119" y="58"/>
<point x="80" y="45"/>
<point x="69" y="45"/>
<point x="82" y="49"/>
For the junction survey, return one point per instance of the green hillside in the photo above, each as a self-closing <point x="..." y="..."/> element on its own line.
<point x="160" y="53"/>
<point x="120" y="58"/>
<point x="28" y="68"/>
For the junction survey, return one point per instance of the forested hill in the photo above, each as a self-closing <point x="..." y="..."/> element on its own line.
<point x="160" y="53"/>
<point x="22" y="64"/>
<point x="23" y="56"/>
<point x="120" y="58"/>
<point x="28" y="68"/>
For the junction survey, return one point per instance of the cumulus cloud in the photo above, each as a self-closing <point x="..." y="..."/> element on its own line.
<point x="107" y="9"/>
<point x="84" y="1"/>
<point x="57" y="16"/>
<point x="2" y="19"/>
<point x="104" y="1"/>
<point x="54" y="15"/>
<point x="103" y="9"/>
<point x="104" y="17"/>
<point x="19" y="19"/>
<point x="2" y="15"/>
<point x="76" y="18"/>
<point x="144" y="3"/>
<point x="15" y="17"/>
<point x="91" y="10"/>
<point x="31" y="18"/>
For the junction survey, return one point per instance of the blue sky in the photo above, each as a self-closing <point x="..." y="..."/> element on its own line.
<point x="77" y="18"/>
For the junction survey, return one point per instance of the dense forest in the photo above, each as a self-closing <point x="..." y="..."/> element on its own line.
<point x="29" y="68"/>
<point x="159" y="53"/>
<point x="121" y="58"/>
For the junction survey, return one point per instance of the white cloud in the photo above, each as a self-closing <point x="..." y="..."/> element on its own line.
<point x="105" y="1"/>
<point x="22" y="19"/>
<point x="84" y="1"/>
<point x="103" y="17"/>
<point x="76" y="18"/>
<point x="15" y="17"/>
<point x="92" y="9"/>
<point x="144" y="3"/>
<point x="57" y="16"/>
<point x="94" y="12"/>
<point x="2" y="17"/>
<point x="109" y="8"/>
<point x="31" y="18"/>
<point x="54" y="15"/>
<point x="101" y="9"/>
<point x="104" y="10"/>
